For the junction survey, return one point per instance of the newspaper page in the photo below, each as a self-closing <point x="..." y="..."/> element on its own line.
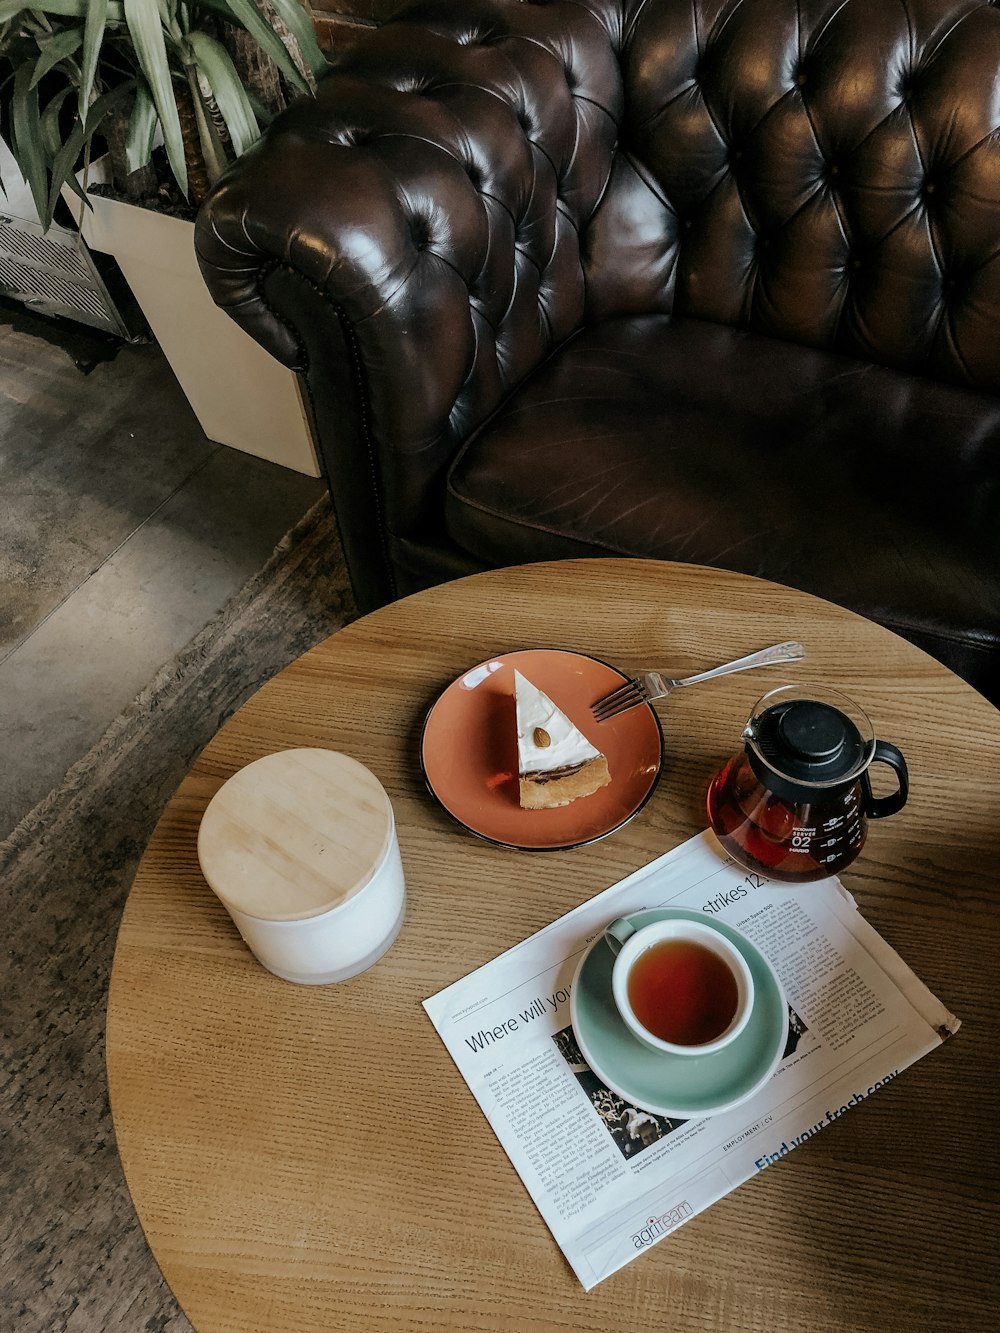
<point x="610" y="1178"/>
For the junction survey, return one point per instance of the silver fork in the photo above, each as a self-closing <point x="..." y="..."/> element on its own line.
<point x="651" y="685"/>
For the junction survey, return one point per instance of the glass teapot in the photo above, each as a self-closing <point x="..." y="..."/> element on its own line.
<point x="795" y="802"/>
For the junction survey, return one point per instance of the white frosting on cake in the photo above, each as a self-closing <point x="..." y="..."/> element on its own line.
<point x="536" y="710"/>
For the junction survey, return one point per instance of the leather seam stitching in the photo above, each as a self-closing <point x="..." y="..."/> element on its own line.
<point x="263" y="273"/>
<point x="357" y="373"/>
<point x="350" y="339"/>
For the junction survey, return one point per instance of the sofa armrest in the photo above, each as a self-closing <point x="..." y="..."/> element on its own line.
<point x="410" y="241"/>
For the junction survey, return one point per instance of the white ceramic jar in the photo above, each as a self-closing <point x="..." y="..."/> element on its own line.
<point x="300" y="847"/>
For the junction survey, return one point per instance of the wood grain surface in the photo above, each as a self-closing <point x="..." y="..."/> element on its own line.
<point x="309" y="1158"/>
<point x="295" y="834"/>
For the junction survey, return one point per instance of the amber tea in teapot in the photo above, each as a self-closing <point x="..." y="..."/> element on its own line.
<point x="794" y="804"/>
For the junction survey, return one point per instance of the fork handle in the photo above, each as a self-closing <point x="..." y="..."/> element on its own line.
<point x="779" y="652"/>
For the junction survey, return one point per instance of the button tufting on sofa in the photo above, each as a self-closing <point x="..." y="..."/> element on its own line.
<point x="716" y="301"/>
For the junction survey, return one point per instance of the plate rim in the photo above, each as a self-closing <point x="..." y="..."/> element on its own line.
<point x="552" y="847"/>
<point x="665" y="913"/>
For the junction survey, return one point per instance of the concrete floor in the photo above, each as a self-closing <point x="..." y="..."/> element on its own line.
<point x="123" y="531"/>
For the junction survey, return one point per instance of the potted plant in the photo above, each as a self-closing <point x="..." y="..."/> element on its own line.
<point x="173" y="89"/>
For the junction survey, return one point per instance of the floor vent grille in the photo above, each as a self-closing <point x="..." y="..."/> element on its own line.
<point x="54" y="272"/>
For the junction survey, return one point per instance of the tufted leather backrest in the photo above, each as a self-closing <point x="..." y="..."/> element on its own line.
<point x="433" y="196"/>
<point x="826" y="171"/>
<point x="475" y="180"/>
<point x="822" y="170"/>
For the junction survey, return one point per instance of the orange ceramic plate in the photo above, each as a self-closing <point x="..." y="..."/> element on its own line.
<point x="469" y="751"/>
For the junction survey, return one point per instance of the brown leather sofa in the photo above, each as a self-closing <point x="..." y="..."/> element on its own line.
<point x="702" y="280"/>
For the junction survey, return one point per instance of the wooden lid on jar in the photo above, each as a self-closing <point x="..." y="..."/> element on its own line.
<point x="295" y="834"/>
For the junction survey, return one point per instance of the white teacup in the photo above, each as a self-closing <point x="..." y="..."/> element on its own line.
<point x="690" y="1002"/>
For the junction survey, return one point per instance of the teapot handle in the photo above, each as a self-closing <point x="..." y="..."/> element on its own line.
<point x="877" y="807"/>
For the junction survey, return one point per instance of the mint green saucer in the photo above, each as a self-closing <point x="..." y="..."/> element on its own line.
<point x="683" y="1087"/>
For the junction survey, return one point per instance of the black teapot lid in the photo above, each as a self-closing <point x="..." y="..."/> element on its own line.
<point x="802" y="741"/>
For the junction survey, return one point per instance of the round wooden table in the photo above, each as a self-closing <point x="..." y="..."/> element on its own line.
<point x="309" y="1157"/>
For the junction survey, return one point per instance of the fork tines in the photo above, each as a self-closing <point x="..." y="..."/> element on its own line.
<point x="618" y="701"/>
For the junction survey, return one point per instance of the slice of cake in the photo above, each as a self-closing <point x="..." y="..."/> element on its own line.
<point x="555" y="761"/>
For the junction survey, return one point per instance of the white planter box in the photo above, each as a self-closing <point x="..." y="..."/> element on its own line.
<point x="240" y="394"/>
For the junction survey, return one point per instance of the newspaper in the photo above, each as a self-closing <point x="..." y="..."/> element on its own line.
<point x="610" y="1179"/>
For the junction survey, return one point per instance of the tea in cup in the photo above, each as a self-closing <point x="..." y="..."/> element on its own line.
<point x="681" y="987"/>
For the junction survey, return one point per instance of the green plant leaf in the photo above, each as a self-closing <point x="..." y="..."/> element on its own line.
<point x="213" y="154"/>
<point x="246" y="15"/>
<point x="97" y="17"/>
<point x="77" y="189"/>
<point x="10" y="8"/>
<point x="144" y="25"/>
<point x="65" y="161"/>
<point x="28" y="146"/>
<point x="56" y="48"/>
<point x="51" y="136"/>
<point x="216" y="67"/>
<point x="300" y="25"/>
<point x="141" y="129"/>
<point x="70" y="9"/>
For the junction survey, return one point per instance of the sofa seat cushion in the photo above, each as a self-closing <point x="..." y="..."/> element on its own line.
<point x="683" y="440"/>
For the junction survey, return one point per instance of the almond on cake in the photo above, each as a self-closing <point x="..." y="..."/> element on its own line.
<point x="556" y="763"/>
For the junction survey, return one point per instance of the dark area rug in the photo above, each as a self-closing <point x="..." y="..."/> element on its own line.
<point x="72" y="1253"/>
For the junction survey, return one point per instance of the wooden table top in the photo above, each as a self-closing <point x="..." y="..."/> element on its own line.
<point x="309" y="1157"/>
